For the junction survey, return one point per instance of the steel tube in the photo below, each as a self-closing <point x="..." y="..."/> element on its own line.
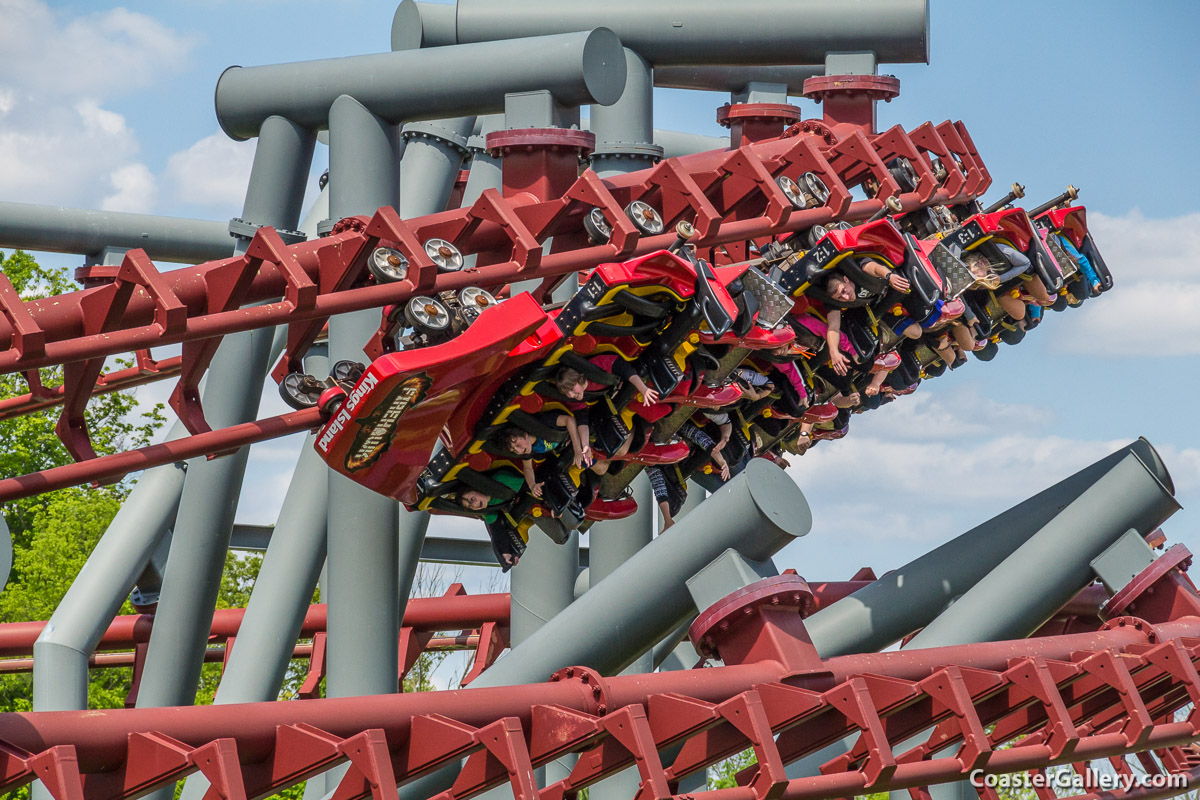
<point x="757" y="515"/>
<point x="53" y="229"/>
<point x="909" y="597"/>
<point x="724" y="78"/>
<point x="702" y="31"/>
<point x="625" y="129"/>
<point x="425" y="614"/>
<point x="613" y="544"/>
<point x="283" y="589"/>
<point x="363" y="527"/>
<point x="79" y="622"/>
<point x="578" y="67"/>
<point x="1059" y="555"/>
<point x="433" y="155"/>
<point x="211" y="490"/>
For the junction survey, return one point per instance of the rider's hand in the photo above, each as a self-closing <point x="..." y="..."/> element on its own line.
<point x="839" y="362"/>
<point x="536" y="490"/>
<point x="899" y="282"/>
<point x="650" y="396"/>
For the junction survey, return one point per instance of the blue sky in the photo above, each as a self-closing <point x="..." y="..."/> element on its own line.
<point x="111" y="106"/>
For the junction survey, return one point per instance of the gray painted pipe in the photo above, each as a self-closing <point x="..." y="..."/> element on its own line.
<point x="625" y="130"/>
<point x="285" y="583"/>
<point x="1050" y="568"/>
<point x="679" y="143"/>
<point x="282" y="592"/>
<point x="700" y="31"/>
<point x="542" y="584"/>
<point x="363" y="588"/>
<point x="908" y="598"/>
<point x="1058" y="557"/>
<point x="722" y="78"/>
<point x="210" y="494"/>
<point x="433" y="155"/>
<point x="51" y="229"/>
<point x="577" y="67"/>
<point x="485" y="168"/>
<point x="613" y="544"/>
<point x="758" y="513"/>
<point x="60" y="654"/>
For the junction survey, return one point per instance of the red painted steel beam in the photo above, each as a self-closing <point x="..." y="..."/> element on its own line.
<point x="100" y="736"/>
<point x="116" y="381"/>
<point x="62" y="323"/>
<point x="422" y="614"/>
<point x="117" y="465"/>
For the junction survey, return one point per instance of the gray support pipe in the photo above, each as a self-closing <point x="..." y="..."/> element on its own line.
<point x="433" y="155"/>
<point x="51" y="229"/>
<point x="700" y="31"/>
<point x="542" y="584"/>
<point x="577" y="67"/>
<point x="1050" y="568"/>
<point x="210" y="495"/>
<point x="625" y="130"/>
<point x="908" y="598"/>
<point x="363" y="588"/>
<point x="613" y="544"/>
<point x="60" y="654"/>
<point x="758" y="513"/>
<point x="680" y="143"/>
<point x="485" y="167"/>
<point x="1055" y="564"/>
<point x="283" y="589"/>
<point x="721" y="78"/>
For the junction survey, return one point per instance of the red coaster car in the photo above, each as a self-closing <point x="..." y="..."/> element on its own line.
<point x="499" y="372"/>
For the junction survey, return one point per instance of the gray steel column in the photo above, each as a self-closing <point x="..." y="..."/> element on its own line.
<point x="908" y="598"/>
<point x="699" y="31"/>
<point x="433" y="155"/>
<point x="625" y="129"/>
<point x="210" y="495"/>
<point x="485" y="167"/>
<point x="285" y="583"/>
<point x="1055" y="564"/>
<point x="1085" y="540"/>
<point x="724" y="78"/>
<point x="283" y="590"/>
<point x="757" y="513"/>
<point x="60" y="654"/>
<point x="543" y="584"/>
<point x="696" y="494"/>
<point x="680" y="143"/>
<point x="614" y="543"/>
<point x="363" y="588"/>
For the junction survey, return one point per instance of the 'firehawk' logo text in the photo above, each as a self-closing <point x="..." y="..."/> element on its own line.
<point x="375" y="434"/>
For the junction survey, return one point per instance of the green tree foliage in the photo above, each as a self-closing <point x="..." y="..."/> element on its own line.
<point x="54" y="533"/>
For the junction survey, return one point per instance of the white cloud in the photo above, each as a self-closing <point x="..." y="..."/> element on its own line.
<point x="103" y="54"/>
<point x="59" y="144"/>
<point x="212" y="172"/>
<point x="1152" y="308"/>
<point x="927" y="468"/>
<point x="135" y="189"/>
